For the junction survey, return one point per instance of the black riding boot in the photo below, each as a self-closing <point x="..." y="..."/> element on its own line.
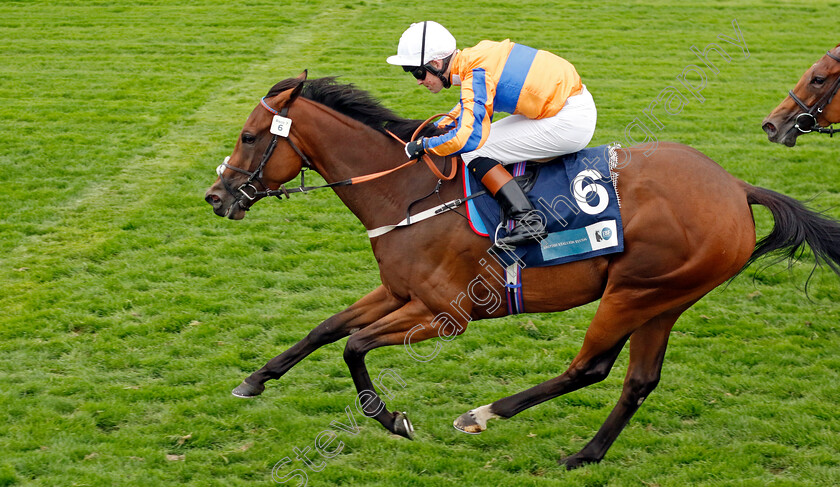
<point x="529" y="225"/>
<point x="517" y="207"/>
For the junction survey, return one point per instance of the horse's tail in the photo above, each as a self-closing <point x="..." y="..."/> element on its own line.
<point x="795" y="226"/>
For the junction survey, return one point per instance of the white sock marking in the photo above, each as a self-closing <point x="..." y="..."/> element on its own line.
<point x="482" y="415"/>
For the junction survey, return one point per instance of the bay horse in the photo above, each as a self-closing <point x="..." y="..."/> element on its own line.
<point x="811" y="105"/>
<point x="688" y="227"/>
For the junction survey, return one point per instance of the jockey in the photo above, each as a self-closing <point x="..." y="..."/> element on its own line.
<point x="552" y="112"/>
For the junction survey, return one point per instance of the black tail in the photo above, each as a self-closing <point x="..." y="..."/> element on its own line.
<point x="796" y="225"/>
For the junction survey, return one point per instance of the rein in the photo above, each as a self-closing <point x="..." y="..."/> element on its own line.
<point x="247" y="190"/>
<point x="807" y="120"/>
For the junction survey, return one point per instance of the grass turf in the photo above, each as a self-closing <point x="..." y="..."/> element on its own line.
<point x="129" y="311"/>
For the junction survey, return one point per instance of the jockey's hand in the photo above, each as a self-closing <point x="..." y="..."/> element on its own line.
<point x="414" y="149"/>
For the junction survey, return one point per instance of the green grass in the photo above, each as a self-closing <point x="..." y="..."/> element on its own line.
<point x="128" y="310"/>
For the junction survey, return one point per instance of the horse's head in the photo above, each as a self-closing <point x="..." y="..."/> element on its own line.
<point x="262" y="160"/>
<point x="810" y="105"/>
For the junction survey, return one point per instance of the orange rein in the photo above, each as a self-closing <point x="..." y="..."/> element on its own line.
<point x="426" y="158"/>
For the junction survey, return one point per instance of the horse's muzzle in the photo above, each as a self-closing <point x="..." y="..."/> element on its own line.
<point x="224" y="205"/>
<point x="780" y="136"/>
<point x="216" y="201"/>
<point x="770" y="129"/>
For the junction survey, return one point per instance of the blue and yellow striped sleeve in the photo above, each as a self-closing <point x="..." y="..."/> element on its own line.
<point x="473" y="122"/>
<point x="450" y="121"/>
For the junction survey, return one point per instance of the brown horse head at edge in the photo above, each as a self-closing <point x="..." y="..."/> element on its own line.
<point x="811" y="105"/>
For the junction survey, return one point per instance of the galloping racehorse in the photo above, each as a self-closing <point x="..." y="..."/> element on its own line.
<point x="688" y="227"/>
<point x="811" y="105"/>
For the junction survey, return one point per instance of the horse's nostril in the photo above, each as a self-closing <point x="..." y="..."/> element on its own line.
<point x="212" y="199"/>
<point x="769" y="128"/>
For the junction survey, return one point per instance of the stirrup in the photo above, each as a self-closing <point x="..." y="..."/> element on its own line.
<point x="514" y="240"/>
<point x="525" y="230"/>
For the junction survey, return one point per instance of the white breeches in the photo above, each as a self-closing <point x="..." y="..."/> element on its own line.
<point x="517" y="138"/>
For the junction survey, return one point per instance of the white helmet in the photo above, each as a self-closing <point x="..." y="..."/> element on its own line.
<point x="423" y="42"/>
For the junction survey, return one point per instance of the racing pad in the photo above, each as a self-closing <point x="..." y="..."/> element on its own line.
<point x="575" y="196"/>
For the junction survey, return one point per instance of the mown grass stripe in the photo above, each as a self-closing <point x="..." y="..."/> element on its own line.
<point x="102" y="205"/>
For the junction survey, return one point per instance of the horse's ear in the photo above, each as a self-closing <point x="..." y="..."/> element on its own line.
<point x="297" y="89"/>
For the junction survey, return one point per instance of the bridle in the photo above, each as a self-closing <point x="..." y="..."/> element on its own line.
<point x="807" y="120"/>
<point x="250" y="193"/>
<point x="247" y="190"/>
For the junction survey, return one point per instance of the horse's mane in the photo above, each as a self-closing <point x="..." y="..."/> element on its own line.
<point x="355" y="103"/>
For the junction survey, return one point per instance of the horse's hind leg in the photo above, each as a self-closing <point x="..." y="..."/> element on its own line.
<point x="647" y="351"/>
<point x="605" y="337"/>
<point x="363" y="312"/>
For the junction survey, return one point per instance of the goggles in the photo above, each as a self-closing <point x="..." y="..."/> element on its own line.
<point x="419" y="72"/>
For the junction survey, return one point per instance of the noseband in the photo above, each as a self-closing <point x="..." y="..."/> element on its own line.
<point x="807" y="120"/>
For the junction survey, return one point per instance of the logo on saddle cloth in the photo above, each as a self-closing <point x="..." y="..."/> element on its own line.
<point x="574" y="195"/>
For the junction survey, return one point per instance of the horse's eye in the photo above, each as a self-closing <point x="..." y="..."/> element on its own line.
<point x="248" y="138"/>
<point x="818" y="80"/>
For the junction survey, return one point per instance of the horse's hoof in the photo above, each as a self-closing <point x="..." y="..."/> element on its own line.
<point x="576" y="461"/>
<point x="402" y="426"/>
<point x="248" y="390"/>
<point x="466" y="423"/>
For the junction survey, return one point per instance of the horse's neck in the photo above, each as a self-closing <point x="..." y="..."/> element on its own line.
<point x="342" y="148"/>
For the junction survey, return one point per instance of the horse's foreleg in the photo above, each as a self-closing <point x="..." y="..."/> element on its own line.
<point x="647" y="351"/>
<point x="397" y="328"/>
<point x="361" y="314"/>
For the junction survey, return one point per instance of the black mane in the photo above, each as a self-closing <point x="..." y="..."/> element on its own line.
<point x="355" y="103"/>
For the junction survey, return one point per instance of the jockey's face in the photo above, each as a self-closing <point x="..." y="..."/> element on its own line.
<point x="432" y="82"/>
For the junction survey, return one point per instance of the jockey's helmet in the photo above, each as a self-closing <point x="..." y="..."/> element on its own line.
<point x="423" y="42"/>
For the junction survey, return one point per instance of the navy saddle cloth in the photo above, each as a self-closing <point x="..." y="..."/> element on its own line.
<point x="576" y="198"/>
